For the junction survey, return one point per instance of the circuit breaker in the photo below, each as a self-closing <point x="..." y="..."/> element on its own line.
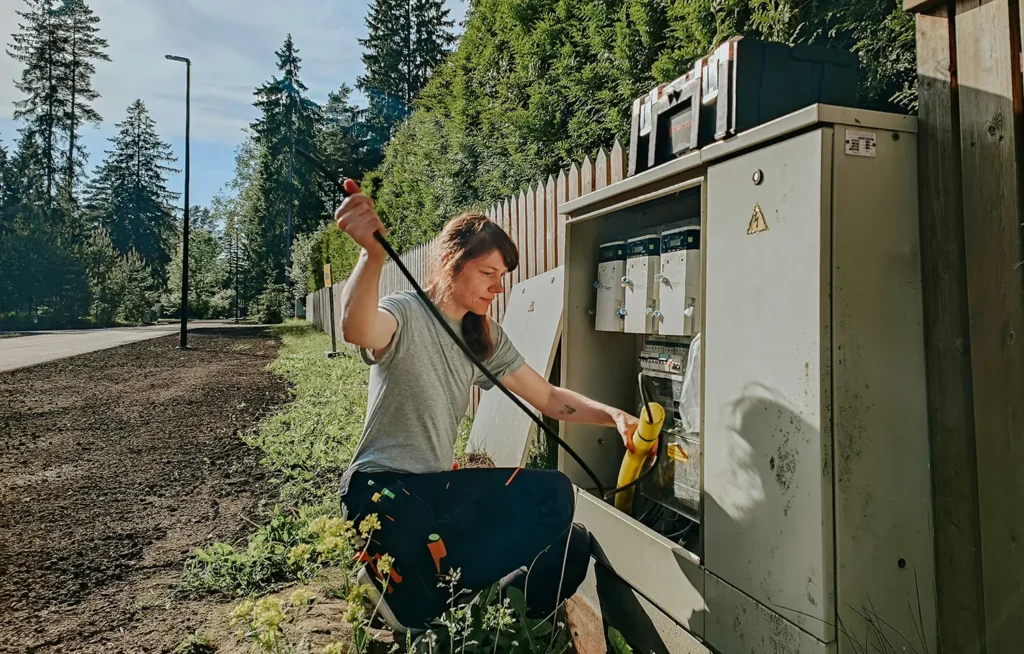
<point x="676" y="482"/>
<point x="679" y="282"/>
<point x="611" y="294"/>
<point x="643" y="264"/>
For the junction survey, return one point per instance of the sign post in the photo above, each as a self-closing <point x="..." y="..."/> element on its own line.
<point x="330" y="299"/>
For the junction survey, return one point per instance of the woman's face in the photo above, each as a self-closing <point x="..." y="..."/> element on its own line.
<point x="476" y="286"/>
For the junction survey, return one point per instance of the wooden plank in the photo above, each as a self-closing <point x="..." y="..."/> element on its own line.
<point x="524" y="250"/>
<point x="587" y="176"/>
<point x="513" y="232"/>
<point x="534" y="325"/>
<point x="506" y="224"/>
<point x="551" y="224"/>
<point x="990" y="99"/>
<point x="568" y="189"/>
<point x="542" y="228"/>
<point x="618" y="163"/>
<point x="602" y="173"/>
<point x="531" y="229"/>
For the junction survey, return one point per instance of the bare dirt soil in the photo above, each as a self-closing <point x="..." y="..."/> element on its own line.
<point x="114" y="465"/>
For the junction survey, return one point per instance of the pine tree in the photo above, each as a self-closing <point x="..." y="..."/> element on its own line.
<point x="407" y="40"/>
<point x="79" y="32"/>
<point x="432" y="41"/>
<point x="289" y="121"/>
<point x="136" y="282"/>
<point x="101" y="261"/>
<point x="129" y="196"/>
<point x="38" y="45"/>
<point x="344" y="141"/>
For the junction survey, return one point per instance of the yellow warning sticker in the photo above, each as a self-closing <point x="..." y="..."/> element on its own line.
<point x="757" y="221"/>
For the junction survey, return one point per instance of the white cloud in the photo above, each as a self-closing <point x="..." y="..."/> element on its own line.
<point x="231" y="44"/>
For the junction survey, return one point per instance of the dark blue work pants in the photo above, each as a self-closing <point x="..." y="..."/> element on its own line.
<point x="495" y="524"/>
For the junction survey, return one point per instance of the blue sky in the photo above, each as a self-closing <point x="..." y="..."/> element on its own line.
<point x="231" y="44"/>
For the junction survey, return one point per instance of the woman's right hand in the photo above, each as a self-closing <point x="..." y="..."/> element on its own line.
<point x="357" y="218"/>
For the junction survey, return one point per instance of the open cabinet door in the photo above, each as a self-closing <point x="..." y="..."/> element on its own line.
<point x="533" y="321"/>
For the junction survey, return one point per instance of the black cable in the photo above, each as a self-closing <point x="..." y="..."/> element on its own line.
<point x="340" y="185"/>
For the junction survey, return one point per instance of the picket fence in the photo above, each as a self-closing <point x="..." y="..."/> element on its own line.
<point x="531" y="218"/>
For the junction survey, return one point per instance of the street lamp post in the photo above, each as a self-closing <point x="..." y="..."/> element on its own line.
<point x="183" y="344"/>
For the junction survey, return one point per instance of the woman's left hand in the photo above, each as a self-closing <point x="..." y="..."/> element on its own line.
<point x="626" y="424"/>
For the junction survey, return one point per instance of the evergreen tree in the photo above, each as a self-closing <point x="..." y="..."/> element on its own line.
<point x="344" y="142"/>
<point x="289" y="120"/>
<point x="226" y="212"/>
<point x="39" y="46"/>
<point x="136" y="282"/>
<point x="407" y="40"/>
<point x="129" y="196"/>
<point x="207" y="272"/>
<point x="432" y="40"/>
<point x="79" y="33"/>
<point x="101" y="261"/>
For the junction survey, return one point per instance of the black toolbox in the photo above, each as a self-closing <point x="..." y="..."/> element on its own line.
<point x="742" y="84"/>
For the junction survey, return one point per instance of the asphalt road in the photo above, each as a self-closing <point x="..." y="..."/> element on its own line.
<point x="40" y="347"/>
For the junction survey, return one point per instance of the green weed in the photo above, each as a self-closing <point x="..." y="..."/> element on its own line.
<point x="197" y="643"/>
<point x="311" y="442"/>
<point x="292" y="547"/>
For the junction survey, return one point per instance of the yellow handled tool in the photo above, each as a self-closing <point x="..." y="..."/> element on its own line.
<point x="652" y="417"/>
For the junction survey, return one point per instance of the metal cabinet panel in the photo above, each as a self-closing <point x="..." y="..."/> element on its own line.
<point x="767" y="429"/>
<point x="663" y="572"/>
<point x="737" y="624"/>
<point x="882" y="482"/>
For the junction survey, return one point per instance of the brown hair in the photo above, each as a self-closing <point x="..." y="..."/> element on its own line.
<point x="464" y="238"/>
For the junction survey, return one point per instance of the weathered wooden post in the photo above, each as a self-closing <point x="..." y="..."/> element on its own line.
<point x="970" y="136"/>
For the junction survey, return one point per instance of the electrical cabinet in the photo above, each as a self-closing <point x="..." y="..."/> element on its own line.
<point x="643" y="263"/>
<point x="610" y="308"/>
<point x="786" y="343"/>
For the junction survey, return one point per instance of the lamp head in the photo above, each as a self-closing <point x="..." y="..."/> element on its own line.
<point x="183" y="60"/>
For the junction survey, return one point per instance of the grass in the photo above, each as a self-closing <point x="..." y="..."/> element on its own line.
<point x="307" y="446"/>
<point x="310" y="444"/>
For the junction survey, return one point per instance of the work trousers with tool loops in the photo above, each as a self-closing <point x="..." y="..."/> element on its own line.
<point x="493" y="525"/>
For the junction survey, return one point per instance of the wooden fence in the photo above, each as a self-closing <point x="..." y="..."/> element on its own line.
<point x="530" y="217"/>
<point x="971" y="141"/>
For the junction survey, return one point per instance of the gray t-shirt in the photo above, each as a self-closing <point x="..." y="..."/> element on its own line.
<point x="419" y="391"/>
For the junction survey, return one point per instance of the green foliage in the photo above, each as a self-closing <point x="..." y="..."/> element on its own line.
<point x="537" y="84"/>
<point x="618" y="643"/>
<point x="490" y="623"/>
<point x="272" y="305"/>
<point x="288" y="195"/>
<point x="326" y="245"/>
<point x="207" y="273"/>
<point x="57" y="43"/>
<point x="406" y="41"/>
<point x="294" y="546"/>
<point x="134" y="280"/>
<point x="80" y="35"/>
<point x="261" y="622"/>
<point x="196" y="643"/>
<point x="301" y="273"/>
<point x="128" y="194"/>
<point x="310" y="445"/>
